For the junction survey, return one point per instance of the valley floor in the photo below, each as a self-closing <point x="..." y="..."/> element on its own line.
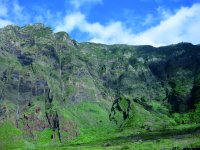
<point x="188" y="137"/>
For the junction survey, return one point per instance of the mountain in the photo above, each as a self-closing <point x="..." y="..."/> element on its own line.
<point x="56" y="91"/>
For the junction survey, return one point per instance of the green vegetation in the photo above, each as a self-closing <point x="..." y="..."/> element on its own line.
<point x="56" y="93"/>
<point x="10" y="136"/>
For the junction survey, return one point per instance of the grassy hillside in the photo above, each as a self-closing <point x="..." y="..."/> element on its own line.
<point x="58" y="93"/>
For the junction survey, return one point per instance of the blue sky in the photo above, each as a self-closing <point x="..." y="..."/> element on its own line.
<point x="153" y="22"/>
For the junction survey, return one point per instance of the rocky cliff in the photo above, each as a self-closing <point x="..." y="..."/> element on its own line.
<point x="49" y="81"/>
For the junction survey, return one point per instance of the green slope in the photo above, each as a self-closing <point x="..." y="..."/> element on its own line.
<point x="56" y="92"/>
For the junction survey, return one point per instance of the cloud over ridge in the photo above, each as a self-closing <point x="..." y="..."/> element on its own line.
<point x="181" y="26"/>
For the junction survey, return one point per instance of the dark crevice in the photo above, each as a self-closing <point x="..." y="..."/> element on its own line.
<point x="52" y="116"/>
<point x="117" y="107"/>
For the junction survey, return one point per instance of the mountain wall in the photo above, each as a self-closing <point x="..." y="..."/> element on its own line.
<point x="49" y="81"/>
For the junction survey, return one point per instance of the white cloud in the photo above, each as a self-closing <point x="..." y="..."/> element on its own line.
<point x="78" y="3"/>
<point x="71" y="21"/>
<point x="181" y="26"/>
<point x="113" y="32"/>
<point x="164" y="12"/>
<point x="4" y="14"/>
<point x="4" y="23"/>
<point x="12" y="11"/>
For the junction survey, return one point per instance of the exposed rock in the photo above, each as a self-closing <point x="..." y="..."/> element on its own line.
<point x="25" y="59"/>
<point x="2" y="110"/>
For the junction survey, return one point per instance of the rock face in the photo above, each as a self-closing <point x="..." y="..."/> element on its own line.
<point x="33" y="59"/>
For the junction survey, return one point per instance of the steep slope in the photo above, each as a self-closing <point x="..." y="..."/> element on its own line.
<point x="43" y="82"/>
<point x="53" y="87"/>
<point x="145" y="71"/>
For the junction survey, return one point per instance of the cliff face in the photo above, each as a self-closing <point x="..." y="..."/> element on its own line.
<point x="51" y="81"/>
<point x="164" y="73"/>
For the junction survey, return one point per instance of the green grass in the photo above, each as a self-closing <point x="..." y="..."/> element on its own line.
<point x="154" y="140"/>
<point x="99" y="139"/>
<point x="155" y="130"/>
<point x="92" y="121"/>
<point x="10" y="136"/>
